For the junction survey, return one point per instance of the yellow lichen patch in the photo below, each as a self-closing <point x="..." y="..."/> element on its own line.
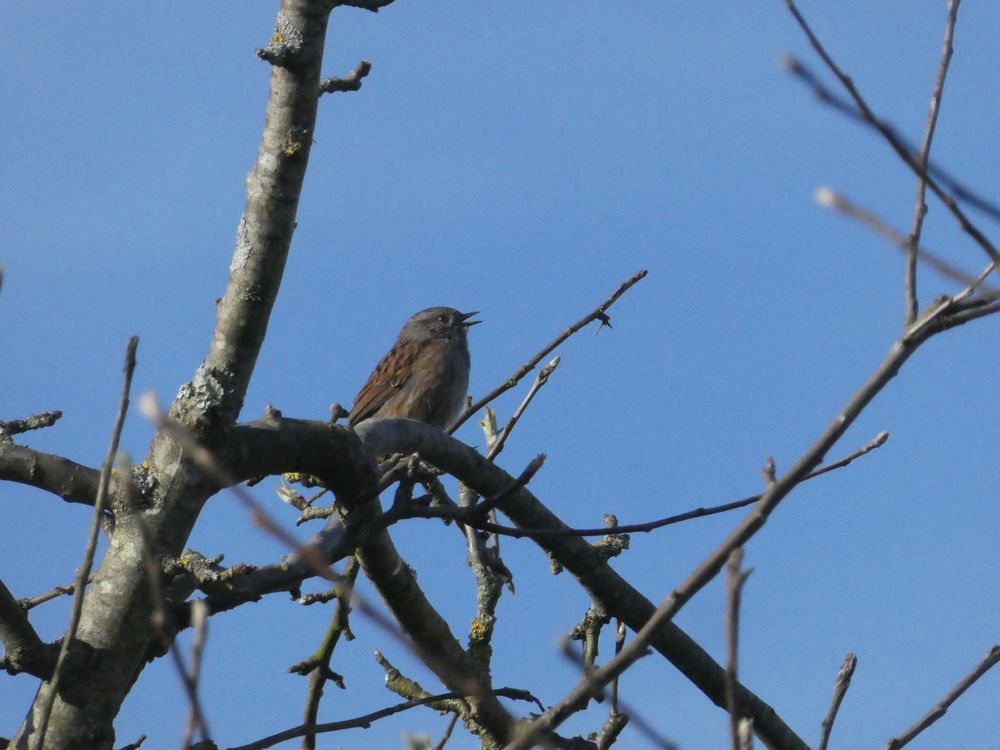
<point x="479" y="630"/>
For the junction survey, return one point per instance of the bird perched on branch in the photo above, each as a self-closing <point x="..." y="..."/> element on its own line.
<point x="425" y="375"/>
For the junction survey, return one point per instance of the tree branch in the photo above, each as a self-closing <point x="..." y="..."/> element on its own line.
<point x="968" y="196"/>
<point x="920" y="205"/>
<point x="47" y="697"/>
<point x="600" y="313"/>
<point x="583" y="560"/>
<point x="840" y="686"/>
<point x="24" y="651"/>
<point x="71" y="481"/>
<point x="897" y="145"/>
<point x="351" y="83"/>
<point x="34" y="422"/>
<point x="989" y="661"/>
<point x="214" y="396"/>
<point x="367" y="720"/>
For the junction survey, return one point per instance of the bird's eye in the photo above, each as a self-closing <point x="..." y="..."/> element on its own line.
<point x="442" y="318"/>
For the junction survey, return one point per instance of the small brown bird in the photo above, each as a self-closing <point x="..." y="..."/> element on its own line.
<point x="425" y="375"/>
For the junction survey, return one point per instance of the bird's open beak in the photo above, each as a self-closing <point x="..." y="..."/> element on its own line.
<point x="464" y="317"/>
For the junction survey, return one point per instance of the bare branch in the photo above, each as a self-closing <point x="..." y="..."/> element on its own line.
<point x="900" y="352"/>
<point x="214" y="396"/>
<point x="24" y="651"/>
<point x="71" y="481"/>
<point x="34" y="422"/>
<point x="735" y="578"/>
<point x="48" y="697"/>
<point x="840" y="687"/>
<point x="898" y="146"/>
<point x="447" y="732"/>
<point x="541" y="379"/>
<point x="988" y="662"/>
<point x="320" y="661"/>
<point x="196" y="721"/>
<point x="583" y="560"/>
<point x="351" y="83"/>
<point x="373" y="5"/>
<point x="367" y="720"/>
<point x="801" y="71"/>
<point x="920" y="206"/>
<point x="600" y="313"/>
<point x="828" y="198"/>
<point x="33" y="601"/>
<point x="471" y="517"/>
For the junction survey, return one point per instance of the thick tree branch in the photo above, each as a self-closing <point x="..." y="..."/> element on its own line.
<point x="583" y="560"/>
<point x="24" y="651"/>
<point x="71" y="481"/>
<point x="214" y="396"/>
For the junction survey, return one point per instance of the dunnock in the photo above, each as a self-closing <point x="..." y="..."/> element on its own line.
<point x="425" y="375"/>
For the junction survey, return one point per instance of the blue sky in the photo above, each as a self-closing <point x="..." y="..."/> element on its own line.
<point x="522" y="160"/>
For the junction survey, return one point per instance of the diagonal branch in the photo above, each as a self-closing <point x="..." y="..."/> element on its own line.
<point x="989" y="661"/>
<point x="600" y="313"/>
<point x="214" y="396"/>
<point x="801" y="71"/>
<point x="581" y="559"/>
<point x="893" y="140"/>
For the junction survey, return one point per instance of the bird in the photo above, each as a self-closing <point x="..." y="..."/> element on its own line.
<point x="425" y="375"/>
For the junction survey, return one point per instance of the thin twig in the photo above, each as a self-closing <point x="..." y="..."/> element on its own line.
<point x="635" y="718"/>
<point x="523" y="478"/>
<point x="893" y="140"/>
<point x="34" y="601"/>
<point x="735" y="578"/>
<point x="447" y="732"/>
<point x="320" y="661"/>
<point x="196" y="716"/>
<point x="541" y="379"/>
<point x="600" y="313"/>
<point x="989" y="661"/>
<point x="829" y="198"/>
<point x="801" y="71"/>
<point x="839" y="691"/>
<point x="466" y="515"/>
<point x="47" y="699"/>
<point x="365" y="721"/>
<point x="920" y="205"/>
